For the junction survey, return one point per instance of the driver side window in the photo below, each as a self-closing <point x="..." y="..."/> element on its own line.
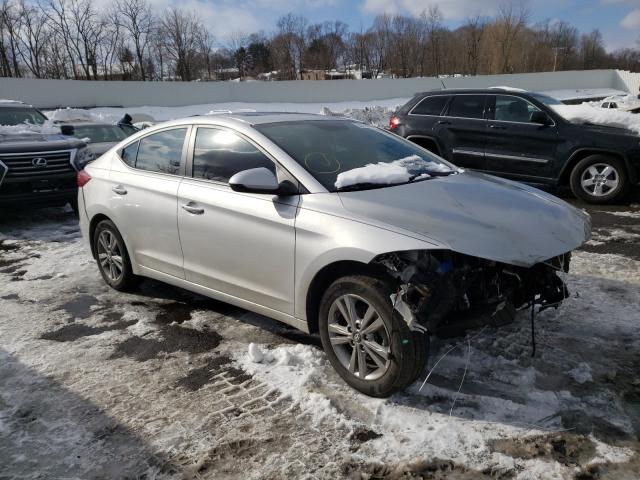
<point x="219" y="154"/>
<point x="514" y="109"/>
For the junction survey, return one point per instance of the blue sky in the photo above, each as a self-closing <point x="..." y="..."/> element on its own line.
<point x="618" y="20"/>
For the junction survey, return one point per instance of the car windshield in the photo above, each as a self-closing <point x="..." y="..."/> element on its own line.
<point x="345" y="155"/>
<point x="100" y="133"/>
<point x="546" y="99"/>
<point x="20" y="115"/>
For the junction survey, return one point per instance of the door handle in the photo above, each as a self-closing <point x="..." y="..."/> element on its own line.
<point x="189" y="207"/>
<point x="444" y="122"/>
<point x="497" y="127"/>
<point x="119" y="189"/>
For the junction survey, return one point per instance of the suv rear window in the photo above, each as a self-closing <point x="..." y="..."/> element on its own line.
<point x="431" y="105"/>
<point x="467" y="106"/>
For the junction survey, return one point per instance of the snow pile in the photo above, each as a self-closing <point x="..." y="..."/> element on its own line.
<point x="581" y="373"/>
<point x="294" y="370"/>
<point x="375" y="115"/>
<point x="586" y="113"/>
<point x="388" y="173"/>
<point x="72" y="115"/>
<point x="383" y="106"/>
<point x="47" y="128"/>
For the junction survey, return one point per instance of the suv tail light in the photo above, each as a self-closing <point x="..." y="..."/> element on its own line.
<point x="393" y="122"/>
<point x="83" y="178"/>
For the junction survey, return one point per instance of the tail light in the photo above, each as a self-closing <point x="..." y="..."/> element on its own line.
<point x="83" y="178"/>
<point x="393" y="122"/>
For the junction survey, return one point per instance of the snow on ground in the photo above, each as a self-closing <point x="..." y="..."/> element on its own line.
<point x="376" y="112"/>
<point x="162" y="383"/>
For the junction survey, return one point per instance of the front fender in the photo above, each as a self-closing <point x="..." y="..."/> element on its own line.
<point x="323" y="239"/>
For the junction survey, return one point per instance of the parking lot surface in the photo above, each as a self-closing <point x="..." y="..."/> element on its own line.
<point x="159" y="383"/>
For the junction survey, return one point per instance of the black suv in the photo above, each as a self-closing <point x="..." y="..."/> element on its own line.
<point x="38" y="164"/>
<point x="519" y="135"/>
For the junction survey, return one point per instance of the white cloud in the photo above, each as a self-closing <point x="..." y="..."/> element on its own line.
<point x="631" y="20"/>
<point x="451" y="9"/>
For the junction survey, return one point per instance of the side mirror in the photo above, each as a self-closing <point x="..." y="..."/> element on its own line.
<point x="540" y="117"/>
<point x="259" y="180"/>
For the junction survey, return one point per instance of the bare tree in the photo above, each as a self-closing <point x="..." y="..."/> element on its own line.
<point x="511" y="22"/>
<point x="473" y="32"/>
<point x="137" y="20"/>
<point x="181" y="31"/>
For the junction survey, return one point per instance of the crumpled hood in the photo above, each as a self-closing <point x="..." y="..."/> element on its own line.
<point x="478" y="215"/>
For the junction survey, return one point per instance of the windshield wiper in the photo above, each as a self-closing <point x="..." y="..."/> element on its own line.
<point x="363" y="186"/>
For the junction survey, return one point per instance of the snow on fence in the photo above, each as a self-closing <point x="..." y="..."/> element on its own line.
<point x="80" y="93"/>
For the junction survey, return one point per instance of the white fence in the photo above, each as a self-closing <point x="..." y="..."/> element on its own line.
<point x="56" y="93"/>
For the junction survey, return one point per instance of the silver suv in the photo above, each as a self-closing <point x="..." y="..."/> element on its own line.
<point x="331" y="226"/>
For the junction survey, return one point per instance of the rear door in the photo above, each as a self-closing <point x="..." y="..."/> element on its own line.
<point x="143" y="198"/>
<point x="462" y="129"/>
<point x="240" y="244"/>
<point x="422" y="118"/>
<point x="516" y="147"/>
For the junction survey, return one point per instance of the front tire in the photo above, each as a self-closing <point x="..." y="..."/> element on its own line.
<point x="112" y="257"/>
<point x="366" y="341"/>
<point x="599" y="179"/>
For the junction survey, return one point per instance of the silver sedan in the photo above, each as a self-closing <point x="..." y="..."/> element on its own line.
<point x="329" y="225"/>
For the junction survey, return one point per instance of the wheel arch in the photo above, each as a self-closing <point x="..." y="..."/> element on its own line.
<point x="426" y="142"/>
<point x="581" y="154"/>
<point x="325" y="277"/>
<point x="95" y="220"/>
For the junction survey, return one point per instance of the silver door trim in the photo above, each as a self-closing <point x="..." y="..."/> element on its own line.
<point x="517" y="158"/>
<point x="462" y="151"/>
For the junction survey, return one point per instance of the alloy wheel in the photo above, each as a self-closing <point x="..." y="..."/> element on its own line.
<point x="110" y="255"/>
<point x="600" y="179"/>
<point x="359" y="337"/>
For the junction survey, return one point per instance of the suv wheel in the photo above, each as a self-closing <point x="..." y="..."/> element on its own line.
<point x="112" y="257"/>
<point x="599" y="179"/>
<point x="366" y="341"/>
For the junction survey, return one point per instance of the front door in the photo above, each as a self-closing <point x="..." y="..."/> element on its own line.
<point x="516" y="147"/>
<point x="240" y="244"/>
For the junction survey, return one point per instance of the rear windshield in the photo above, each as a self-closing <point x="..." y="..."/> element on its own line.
<point x="20" y="115"/>
<point x="100" y="133"/>
<point x="328" y="149"/>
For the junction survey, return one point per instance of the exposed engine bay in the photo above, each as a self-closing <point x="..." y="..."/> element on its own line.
<point x="446" y="293"/>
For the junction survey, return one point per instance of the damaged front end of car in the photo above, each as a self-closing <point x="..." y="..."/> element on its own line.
<point x="447" y="293"/>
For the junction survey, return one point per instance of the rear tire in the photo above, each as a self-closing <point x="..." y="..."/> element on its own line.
<point x="600" y="179"/>
<point x="375" y="351"/>
<point x="112" y="257"/>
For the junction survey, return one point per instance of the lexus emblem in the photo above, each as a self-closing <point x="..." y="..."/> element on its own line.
<point x="39" y="162"/>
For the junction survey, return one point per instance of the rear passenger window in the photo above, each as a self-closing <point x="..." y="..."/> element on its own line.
<point x="129" y="153"/>
<point x="431" y="105"/>
<point x="161" y="152"/>
<point x="220" y="154"/>
<point x="467" y="106"/>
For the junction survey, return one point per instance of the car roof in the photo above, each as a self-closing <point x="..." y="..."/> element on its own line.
<point x="475" y="90"/>
<point x="81" y="123"/>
